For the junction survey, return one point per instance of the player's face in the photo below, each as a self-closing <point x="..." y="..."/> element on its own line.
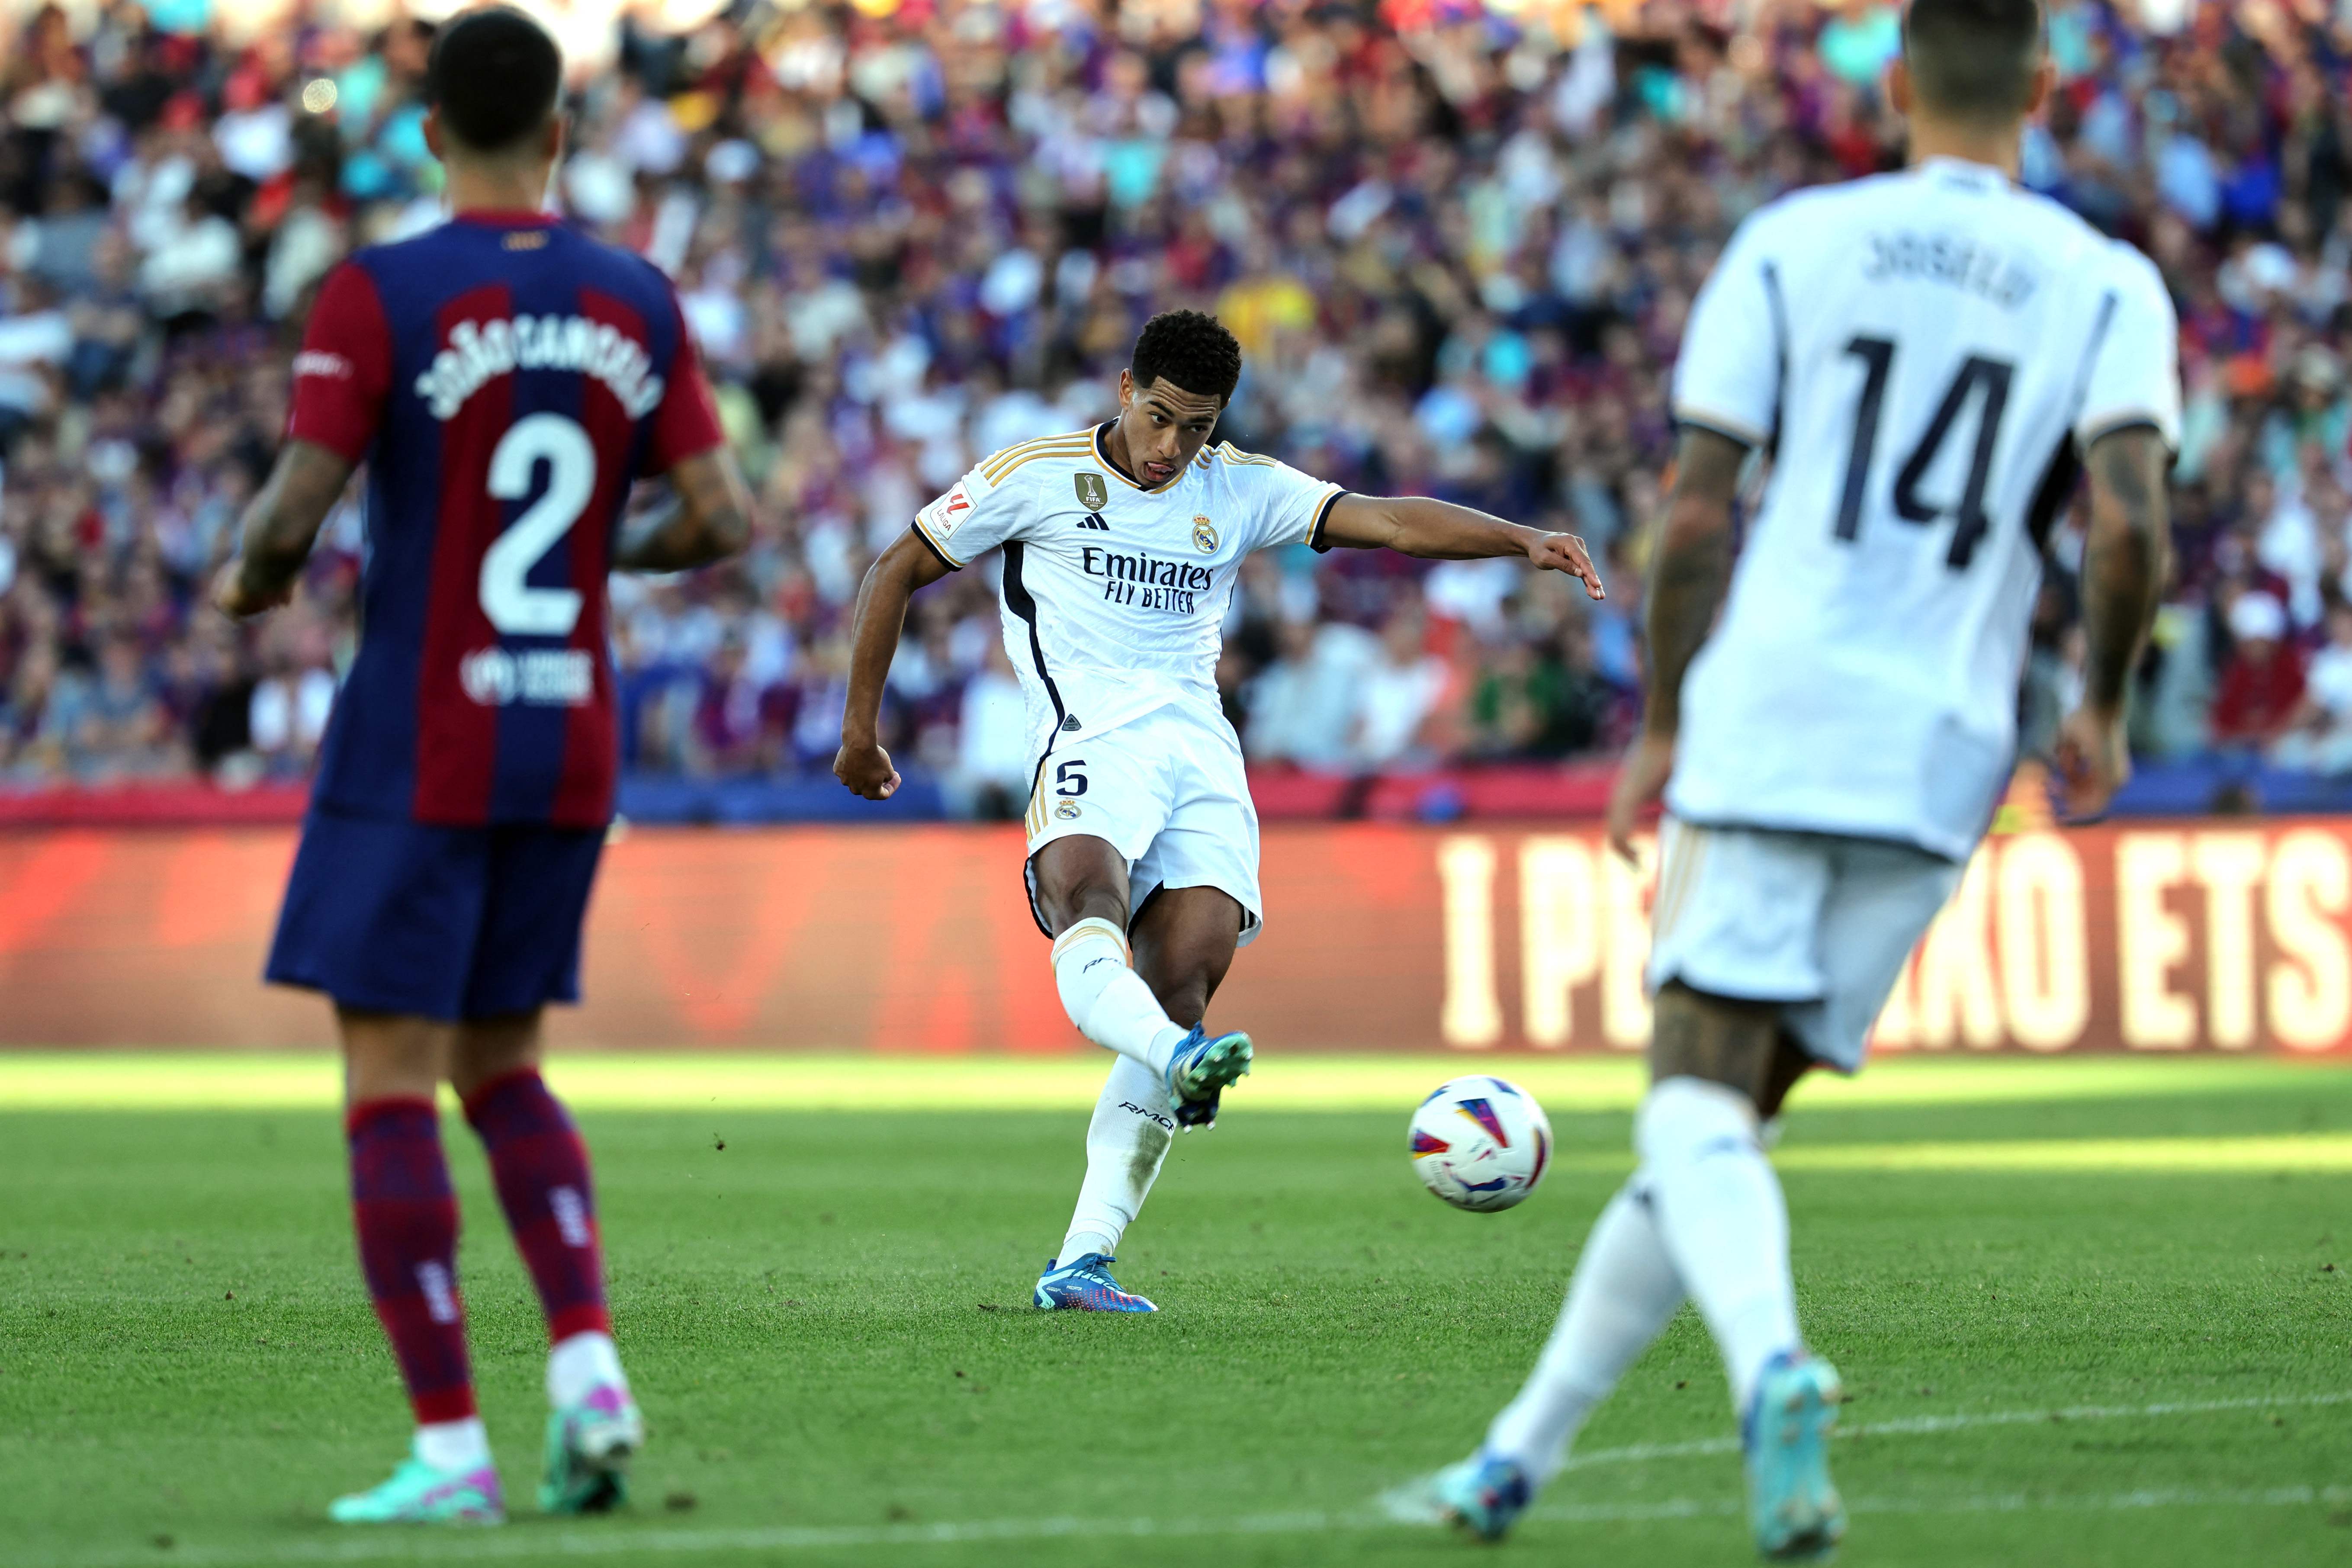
<point x="1162" y="426"/>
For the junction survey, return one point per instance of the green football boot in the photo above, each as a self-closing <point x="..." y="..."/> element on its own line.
<point x="419" y="1494"/>
<point x="589" y="1445"/>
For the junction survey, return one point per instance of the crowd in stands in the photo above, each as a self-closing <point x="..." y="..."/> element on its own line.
<point x="1458" y="243"/>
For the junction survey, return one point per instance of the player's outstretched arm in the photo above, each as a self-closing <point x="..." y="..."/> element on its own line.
<point x="708" y="519"/>
<point x="2126" y="564"/>
<point x="1440" y="531"/>
<point x="862" y="764"/>
<point x="1690" y="575"/>
<point x="279" y="527"/>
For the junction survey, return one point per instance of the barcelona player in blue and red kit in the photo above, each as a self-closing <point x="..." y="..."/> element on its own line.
<point x="506" y="381"/>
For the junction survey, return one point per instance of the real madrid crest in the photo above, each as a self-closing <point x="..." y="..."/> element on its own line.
<point x="1092" y="493"/>
<point x="1204" y="536"/>
<point x="1067" y="810"/>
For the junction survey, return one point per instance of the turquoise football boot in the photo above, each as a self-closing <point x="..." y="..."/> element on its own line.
<point x="419" y="1494"/>
<point x="1791" y="1504"/>
<point x="589" y="1446"/>
<point x="1084" y="1284"/>
<point x="1482" y="1496"/>
<point x="1201" y="1070"/>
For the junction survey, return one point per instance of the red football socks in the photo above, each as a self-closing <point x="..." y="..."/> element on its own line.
<point x="541" y="1171"/>
<point x="406" y="1218"/>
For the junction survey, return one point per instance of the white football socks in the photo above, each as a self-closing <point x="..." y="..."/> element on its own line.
<point x="454" y="1444"/>
<point x="581" y="1364"/>
<point x="1108" y="1001"/>
<point x="1126" y="1141"/>
<point x="1625" y="1293"/>
<point x="1725" y="1224"/>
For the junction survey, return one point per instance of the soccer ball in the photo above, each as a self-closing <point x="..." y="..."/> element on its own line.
<point x="1480" y="1143"/>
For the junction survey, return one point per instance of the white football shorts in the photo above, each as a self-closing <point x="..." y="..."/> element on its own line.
<point x="1815" y="921"/>
<point x="1168" y="791"/>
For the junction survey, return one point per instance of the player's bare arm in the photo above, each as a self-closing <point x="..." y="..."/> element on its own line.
<point x="280" y="525"/>
<point x="2125" y="564"/>
<point x="707" y="518"/>
<point x="862" y="764"/>
<point x="1688" y="583"/>
<point x="1441" y="530"/>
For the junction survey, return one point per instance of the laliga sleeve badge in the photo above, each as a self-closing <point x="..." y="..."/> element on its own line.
<point x="1092" y="493"/>
<point x="1204" y="536"/>
<point x="1067" y="810"/>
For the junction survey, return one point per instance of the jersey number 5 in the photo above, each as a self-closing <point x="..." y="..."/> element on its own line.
<point x="1992" y="376"/>
<point x="512" y="604"/>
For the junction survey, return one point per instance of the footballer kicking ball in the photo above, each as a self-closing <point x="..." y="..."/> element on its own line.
<point x="1480" y="1143"/>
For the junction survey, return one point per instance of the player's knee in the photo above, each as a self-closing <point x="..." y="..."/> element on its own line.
<point x="1717" y="1039"/>
<point x="1080" y="878"/>
<point x="390" y="1055"/>
<point x="488" y="1050"/>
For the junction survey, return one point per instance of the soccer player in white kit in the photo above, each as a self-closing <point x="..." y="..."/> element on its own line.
<point x="1121" y="546"/>
<point x="1928" y="360"/>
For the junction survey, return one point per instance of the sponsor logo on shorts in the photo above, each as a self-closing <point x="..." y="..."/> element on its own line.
<point x="1067" y="810"/>
<point x="1204" y="536"/>
<point x="318" y="362"/>
<point x="1094" y="494"/>
<point x="541" y="678"/>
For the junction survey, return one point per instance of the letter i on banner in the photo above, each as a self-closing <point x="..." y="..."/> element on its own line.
<point x="1471" y="1017"/>
<point x="1559" y="933"/>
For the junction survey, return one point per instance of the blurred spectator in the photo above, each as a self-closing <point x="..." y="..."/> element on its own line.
<point x="1459" y="242"/>
<point x="1302" y="707"/>
<point x="2262" y="682"/>
<point x="991" y="778"/>
<point x="1398" y="697"/>
<point x="2319" y="736"/>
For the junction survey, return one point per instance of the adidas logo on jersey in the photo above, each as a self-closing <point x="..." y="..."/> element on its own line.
<point x="1094" y="519"/>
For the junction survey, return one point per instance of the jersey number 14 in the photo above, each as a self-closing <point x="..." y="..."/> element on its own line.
<point x="1989" y="377"/>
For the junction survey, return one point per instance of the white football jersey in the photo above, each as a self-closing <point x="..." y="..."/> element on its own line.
<point x="1925" y="355"/>
<point x="1115" y="596"/>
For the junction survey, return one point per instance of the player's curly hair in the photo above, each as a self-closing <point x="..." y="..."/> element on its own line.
<point x="1191" y="351"/>
<point x="494" y="74"/>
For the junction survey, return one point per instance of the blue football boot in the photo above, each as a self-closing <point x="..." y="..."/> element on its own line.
<point x="1084" y="1284"/>
<point x="1483" y="1495"/>
<point x="1791" y="1504"/>
<point x="1199" y="1073"/>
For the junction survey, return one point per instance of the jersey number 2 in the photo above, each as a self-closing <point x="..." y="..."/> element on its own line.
<point x="1992" y="376"/>
<point x="512" y="604"/>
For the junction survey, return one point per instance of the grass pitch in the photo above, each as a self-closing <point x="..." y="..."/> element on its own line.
<point x="2089" y="1313"/>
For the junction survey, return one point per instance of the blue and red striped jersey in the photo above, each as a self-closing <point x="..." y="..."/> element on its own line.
<point x="506" y="380"/>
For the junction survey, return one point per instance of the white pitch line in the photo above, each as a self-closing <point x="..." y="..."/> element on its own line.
<point x="531" y="1541"/>
<point x="1913" y="1425"/>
